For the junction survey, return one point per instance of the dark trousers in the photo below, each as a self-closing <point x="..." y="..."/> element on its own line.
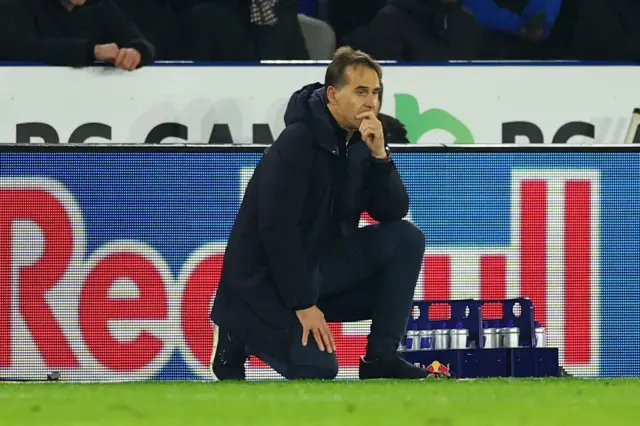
<point x="369" y="274"/>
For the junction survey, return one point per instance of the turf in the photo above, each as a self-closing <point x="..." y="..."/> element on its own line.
<point x="508" y="402"/>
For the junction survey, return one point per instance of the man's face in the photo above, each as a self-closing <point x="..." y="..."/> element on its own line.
<point x="359" y="94"/>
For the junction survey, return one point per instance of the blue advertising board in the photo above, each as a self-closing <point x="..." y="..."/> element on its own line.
<point x="110" y="256"/>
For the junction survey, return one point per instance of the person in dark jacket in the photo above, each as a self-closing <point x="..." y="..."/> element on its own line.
<point x="350" y="20"/>
<point x="607" y="30"/>
<point x="532" y="19"/>
<point x="424" y="30"/>
<point x="296" y="258"/>
<point x="515" y="29"/>
<point x="70" y="33"/>
<point x="394" y="130"/>
<point x="157" y="21"/>
<point x="241" y="30"/>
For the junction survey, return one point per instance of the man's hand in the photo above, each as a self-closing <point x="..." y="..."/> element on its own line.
<point x="371" y="131"/>
<point x="312" y="320"/>
<point x="532" y="34"/>
<point x="128" y="59"/>
<point x="534" y="28"/>
<point x="106" y="52"/>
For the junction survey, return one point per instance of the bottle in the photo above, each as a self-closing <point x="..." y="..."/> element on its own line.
<point x="426" y="338"/>
<point x="413" y="338"/>
<point x="402" y="345"/>
<point x="510" y="336"/>
<point x="441" y="337"/>
<point x="489" y="336"/>
<point x="495" y="324"/>
<point x="541" y="336"/>
<point x="459" y="336"/>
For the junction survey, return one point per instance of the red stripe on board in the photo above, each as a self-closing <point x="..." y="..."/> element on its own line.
<point x="493" y="273"/>
<point x="5" y="281"/>
<point x="437" y="284"/>
<point x="533" y="245"/>
<point x="577" y="271"/>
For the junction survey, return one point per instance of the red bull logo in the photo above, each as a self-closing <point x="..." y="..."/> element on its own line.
<point x="438" y="370"/>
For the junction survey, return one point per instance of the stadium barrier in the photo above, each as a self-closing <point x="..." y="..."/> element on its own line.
<point x="110" y="255"/>
<point x="455" y="103"/>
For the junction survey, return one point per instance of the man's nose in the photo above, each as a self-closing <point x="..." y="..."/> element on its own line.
<point x="370" y="101"/>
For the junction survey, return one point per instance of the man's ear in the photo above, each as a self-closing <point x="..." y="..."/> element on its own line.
<point x="331" y="95"/>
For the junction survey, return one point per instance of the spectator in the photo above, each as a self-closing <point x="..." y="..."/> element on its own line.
<point x="241" y="30"/>
<point x="607" y="30"/>
<point x="594" y="30"/>
<point x="68" y="33"/>
<point x="532" y="19"/>
<point x="394" y="130"/>
<point x="157" y="21"/>
<point x="515" y="29"/>
<point x="422" y="30"/>
<point x="350" y="20"/>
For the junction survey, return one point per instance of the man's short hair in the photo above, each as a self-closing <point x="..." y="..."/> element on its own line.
<point x="346" y="57"/>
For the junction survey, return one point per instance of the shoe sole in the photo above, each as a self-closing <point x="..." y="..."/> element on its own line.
<point x="216" y="336"/>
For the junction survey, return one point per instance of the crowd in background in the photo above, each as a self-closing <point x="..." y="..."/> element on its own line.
<point x="132" y="33"/>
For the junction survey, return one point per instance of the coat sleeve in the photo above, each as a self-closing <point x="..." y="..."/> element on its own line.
<point x="283" y="187"/>
<point x="19" y="40"/>
<point x="388" y="199"/>
<point x="493" y="17"/>
<point x="125" y="33"/>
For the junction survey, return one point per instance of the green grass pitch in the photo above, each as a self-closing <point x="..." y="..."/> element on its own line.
<point x="508" y="402"/>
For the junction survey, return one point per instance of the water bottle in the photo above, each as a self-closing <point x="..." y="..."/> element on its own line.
<point x="541" y="336"/>
<point x="413" y="338"/>
<point x="495" y="324"/>
<point x="426" y="338"/>
<point x="459" y="336"/>
<point x="402" y="345"/>
<point x="489" y="336"/>
<point x="441" y="337"/>
<point x="510" y="336"/>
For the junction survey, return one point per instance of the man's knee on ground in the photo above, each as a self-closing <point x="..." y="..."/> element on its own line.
<point x="408" y="235"/>
<point x="313" y="372"/>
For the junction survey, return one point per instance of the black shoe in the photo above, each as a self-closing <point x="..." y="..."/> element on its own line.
<point x="227" y="357"/>
<point x="392" y="366"/>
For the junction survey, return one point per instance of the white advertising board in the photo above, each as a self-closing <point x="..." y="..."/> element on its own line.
<point x="481" y="104"/>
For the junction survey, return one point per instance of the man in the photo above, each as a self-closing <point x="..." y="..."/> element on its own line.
<point x="241" y="30"/>
<point x="158" y="22"/>
<point x="394" y="130"/>
<point x="516" y="29"/>
<point x="605" y="29"/>
<point x="350" y="19"/>
<point x="424" y="30"/>
<point x="532" y="19"/>
<point x="68" y="33"/>
<point x="296" y="259"/>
